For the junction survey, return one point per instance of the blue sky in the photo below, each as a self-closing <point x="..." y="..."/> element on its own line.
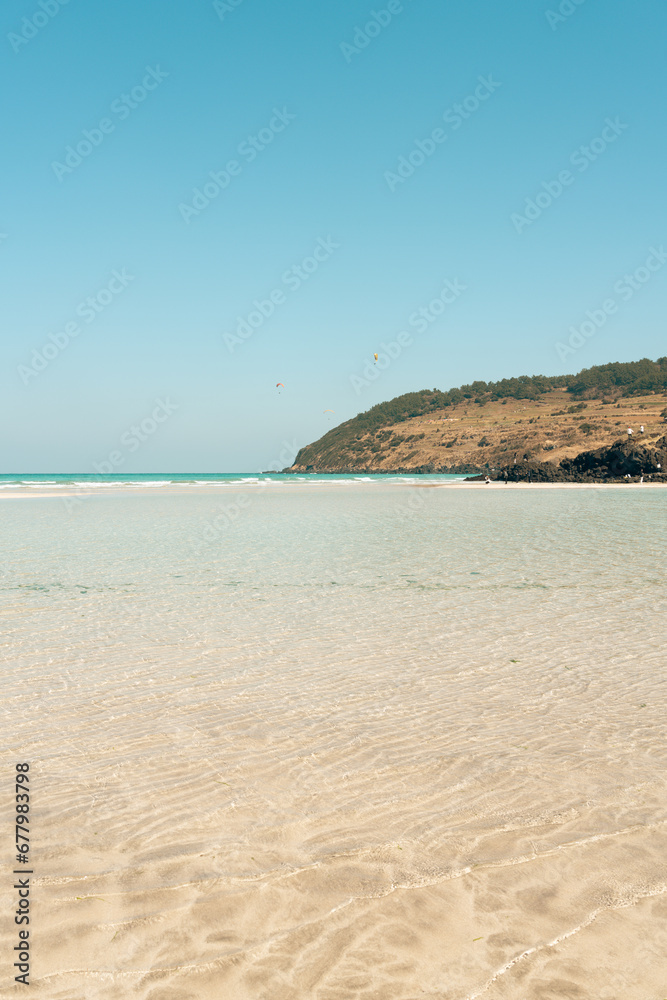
<point x="305" y="112"/>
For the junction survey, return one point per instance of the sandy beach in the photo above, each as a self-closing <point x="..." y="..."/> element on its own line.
<point x="333" y="748"/>
<point x="361" y="725"/>
<point x="175" y="490"/>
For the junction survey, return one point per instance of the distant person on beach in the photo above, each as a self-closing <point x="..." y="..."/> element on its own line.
<point x="629" y="431"/>
<point x="487" y="480"/>
<point x="641" y="429"/>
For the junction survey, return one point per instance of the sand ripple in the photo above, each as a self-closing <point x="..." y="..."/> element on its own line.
<point x="355" y="744"/>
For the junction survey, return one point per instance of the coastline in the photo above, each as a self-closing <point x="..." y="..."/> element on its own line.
<point x="360" y="711"/>
<point x="265" y="485"/>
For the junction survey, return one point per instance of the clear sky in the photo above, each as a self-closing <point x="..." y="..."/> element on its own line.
<point x="365" y="155"/>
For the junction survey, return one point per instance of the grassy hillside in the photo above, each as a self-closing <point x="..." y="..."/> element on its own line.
<point x="485" y="425"/>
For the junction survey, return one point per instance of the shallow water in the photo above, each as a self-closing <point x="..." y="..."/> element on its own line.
<point x="341" y="741"/>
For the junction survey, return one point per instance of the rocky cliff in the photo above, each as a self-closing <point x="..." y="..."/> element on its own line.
<point x="615" y="463"/>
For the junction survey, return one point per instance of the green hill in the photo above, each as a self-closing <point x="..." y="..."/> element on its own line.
<point x="372" y="441"/>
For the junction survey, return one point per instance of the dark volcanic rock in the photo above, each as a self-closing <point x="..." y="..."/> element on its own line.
<point x="536" y="472"/>
<point x="623" y="458"/>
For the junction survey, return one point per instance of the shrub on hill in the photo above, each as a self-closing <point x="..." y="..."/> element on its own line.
<point x="631" y="378"/>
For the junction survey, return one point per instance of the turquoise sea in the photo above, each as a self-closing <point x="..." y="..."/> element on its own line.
<point x="338" y="737"/>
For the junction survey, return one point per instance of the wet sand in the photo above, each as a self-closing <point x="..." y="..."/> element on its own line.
<point x="341" y="748"/>
<point x="215" y="489"/>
